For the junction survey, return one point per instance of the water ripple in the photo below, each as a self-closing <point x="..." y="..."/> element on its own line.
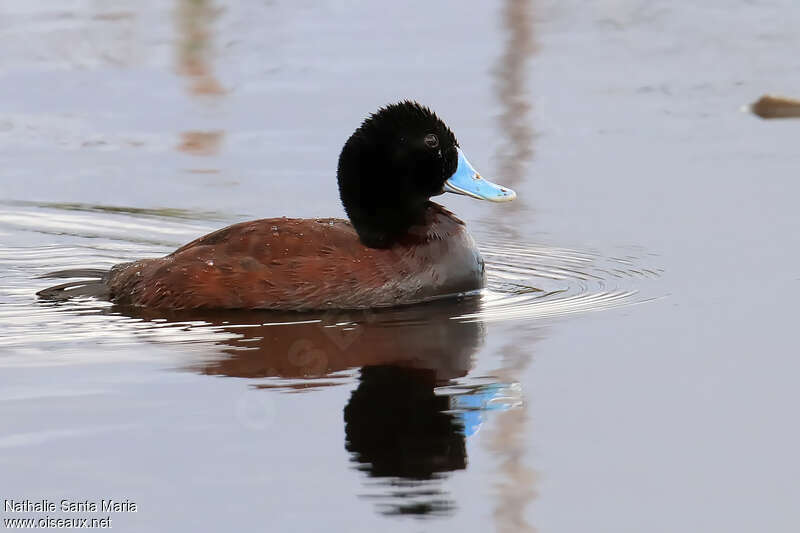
<point x="531" y="281"/>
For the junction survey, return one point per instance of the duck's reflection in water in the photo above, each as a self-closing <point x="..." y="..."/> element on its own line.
<point x="310" y="350"/>
<point x="400" y="434"/>
<point x="405" y="423"/>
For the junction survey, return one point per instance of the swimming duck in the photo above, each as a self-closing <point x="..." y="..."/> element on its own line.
<point x="398" y="247"/>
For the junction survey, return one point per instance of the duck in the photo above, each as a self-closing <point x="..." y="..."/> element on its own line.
<point x="396" y="248"/>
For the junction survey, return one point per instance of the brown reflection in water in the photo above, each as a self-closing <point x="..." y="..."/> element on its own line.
<point x="506" y="439"/>
<point x="195" y="25"/>
<point x="195" y="20"/>
<point x="308" y="347"/>
<point x="510" y="76"/>
<point x="516" y="481"/>
<point x="397" y="428"/>
<point x="201" y="142"/>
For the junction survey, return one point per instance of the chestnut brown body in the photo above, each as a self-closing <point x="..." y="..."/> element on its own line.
<point x="305" y="264"/>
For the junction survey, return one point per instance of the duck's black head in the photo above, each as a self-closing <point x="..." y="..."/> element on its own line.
<point x="394" y="162"/>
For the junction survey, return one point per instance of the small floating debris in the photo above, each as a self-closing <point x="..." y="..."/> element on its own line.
<point x="770" y="106"/>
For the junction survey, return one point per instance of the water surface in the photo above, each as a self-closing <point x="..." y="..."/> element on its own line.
<point x="629" y="367"/>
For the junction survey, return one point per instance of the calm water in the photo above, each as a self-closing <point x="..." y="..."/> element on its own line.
<point x="630" y="367"/>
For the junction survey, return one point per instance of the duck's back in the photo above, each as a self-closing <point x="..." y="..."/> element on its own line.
<point x="304" y="264"/>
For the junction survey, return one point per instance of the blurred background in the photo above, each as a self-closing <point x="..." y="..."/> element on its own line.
<point x="630" y="368"/>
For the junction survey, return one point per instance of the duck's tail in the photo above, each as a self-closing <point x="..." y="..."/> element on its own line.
<point x="94" y="284"/>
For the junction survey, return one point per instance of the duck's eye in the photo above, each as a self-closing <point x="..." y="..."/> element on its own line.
<point x="431" y="141"/>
